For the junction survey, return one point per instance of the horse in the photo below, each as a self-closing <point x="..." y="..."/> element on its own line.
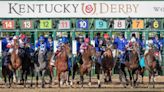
<point x="40" y="65"/>
<point x="132" y="64"/>
<point x="16" y="62"/>
<point x="88" y="57"/>
<point x="107" y="64"/>
<point x="61" y="63"/>
<point x="6" y="68"/>
<point x="27" y="65"/>
<point x="151" y="64"/>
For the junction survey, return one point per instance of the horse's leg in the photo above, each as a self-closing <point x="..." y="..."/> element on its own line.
<point x="37" y="78"/>
<point x="122" y="74"/>
<point x="153" y="75"/>
<point x="73" y="73"/>
<point x="98" y="77"/>
<point x="58" y="74"/>
<point x="81" y="79"/>
<point x="43" y="81"/>
<point x="150" y="74"/>
<point x="131" y="77"/>
<point x="51" y="74"/>
<point x="25" y="78"/>
<point x="109" y="76"/>
<point x="89" y="78"/>
<point x="135" y="81"/>
<point x="32" y="75"/>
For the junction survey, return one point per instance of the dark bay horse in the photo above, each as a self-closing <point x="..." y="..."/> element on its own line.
<point x="61" y="63"/>
<point x="27" y="65"/>
<point x="7" y="68"/>
<point x="107" y="64"/>
<point x="151" y="64"/>
<point x="132" y="64"/>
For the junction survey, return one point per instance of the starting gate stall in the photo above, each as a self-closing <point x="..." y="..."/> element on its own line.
<point x="82" y="18"/>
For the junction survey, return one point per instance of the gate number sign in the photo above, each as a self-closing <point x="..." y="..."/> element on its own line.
<point x="8" y="24"/>
<point x="156" y="24"/>
<point x="27" y="24"/>
<point x="137" y="24"/>
<point x="82" y="24"/>
<point x="64" y="24"/>
<point x="45" y="24"/>
<point x="100" y="24"/>
<point x="119" y="24"/>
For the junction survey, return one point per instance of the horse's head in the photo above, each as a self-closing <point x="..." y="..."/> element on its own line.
<point x="108" y="52"/>
<point x="91" y="52"/>
<point x="67" y="49"/>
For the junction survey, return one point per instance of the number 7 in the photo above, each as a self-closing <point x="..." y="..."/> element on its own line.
<point x="138" y="22"/>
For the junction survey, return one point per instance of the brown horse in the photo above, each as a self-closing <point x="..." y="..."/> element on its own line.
<point x="15" y="59"/>
<point x="107" y="64"/>
<point x="61" y="63"/>
<point x="132" y="64"/>
<point x="151" y="65"/>
<point x="87" y="61"/>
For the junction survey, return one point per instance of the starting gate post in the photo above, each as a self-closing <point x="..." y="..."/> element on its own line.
<point x="36" y="37"/>
<point x="146" y="35"/>
<point x="73" y="54"/>
<point x="93" y="68"/>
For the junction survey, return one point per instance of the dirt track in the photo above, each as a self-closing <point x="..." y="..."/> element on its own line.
<point x="114" y="86"/>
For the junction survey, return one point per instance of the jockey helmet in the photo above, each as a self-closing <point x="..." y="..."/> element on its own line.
<point x="15" y="37"/>
<point x="87" y="40"/>
<point x="8" y="45"/>
<point x="133" y="39"/>
<point x="41" y="38"/>
<point x="23" y="36"/>
<point x="64" y="40"/>
<point x="106" y="36"/>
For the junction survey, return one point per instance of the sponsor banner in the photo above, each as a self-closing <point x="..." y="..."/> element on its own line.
<point x="101" y="24"/>
<point x="119" y="24"/>
<point x="81" y="9"/>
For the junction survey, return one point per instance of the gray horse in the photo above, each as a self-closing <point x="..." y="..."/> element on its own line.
<point x="40" y="64"/>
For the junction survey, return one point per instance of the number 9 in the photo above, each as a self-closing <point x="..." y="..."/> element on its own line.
<point x="100" y="24"/>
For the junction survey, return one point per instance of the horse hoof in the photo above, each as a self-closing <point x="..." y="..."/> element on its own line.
<point x="99" y="86"/>
<point x="89" y="83"/>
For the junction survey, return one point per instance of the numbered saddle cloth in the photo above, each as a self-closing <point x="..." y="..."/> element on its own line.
<point x="142" y="62"/>
<point x="42" y="48"/>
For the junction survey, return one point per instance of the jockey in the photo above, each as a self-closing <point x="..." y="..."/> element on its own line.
<point x="5" y="45"/>
<point x="50" y="44"/>
<point x="107" y="42"/>
<point x="97" y="42"/>
<point x="41" y="44"/>
<point x="61" y="42"/>
<point x="12" y="43"/>
<point x="149" y="45"/>
<point x="132" y="40"/>
<point x="121" y="46"/>
<point x="158" y="45"/>
<point x="84" y="45"/>
<point x="22" y="41"/>
<point x="79" y="42"/>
